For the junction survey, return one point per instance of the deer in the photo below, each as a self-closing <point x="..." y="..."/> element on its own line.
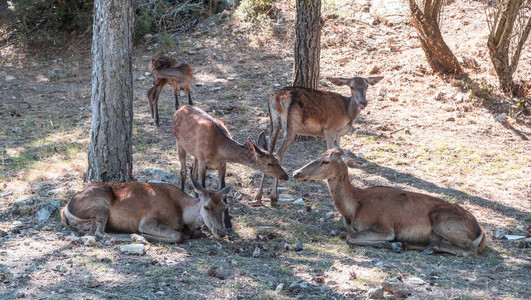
<point x="309" y="112"/>
<point x="391" y="218"/>
<point x="208" y="140"/>
<point x="161" y="212"/>
<point x="172" y="71"/>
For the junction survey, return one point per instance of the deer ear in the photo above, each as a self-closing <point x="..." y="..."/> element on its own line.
<point x="374" y="80"/>
<point x="351" y="162"/>
<point x="262" y="141"/>
<point x="226" y="189"/>
<point x="336" y="145"/>
<point x="197" y="186"/>
<point x="254" y="149"/>
<point x="338" y="81"/>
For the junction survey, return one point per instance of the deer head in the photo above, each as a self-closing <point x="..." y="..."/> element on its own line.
<point x="331" y="164"/>
<point x="212" y="208"/>
<point x="358" y="87"/>
<point x="267" y="162"/>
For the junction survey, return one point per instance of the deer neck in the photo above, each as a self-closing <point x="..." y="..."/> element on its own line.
<point x="192" y="212"/>
<point x="352" y="108"/>
<point x="237" y="153"/>
<point x="343" y="193"/>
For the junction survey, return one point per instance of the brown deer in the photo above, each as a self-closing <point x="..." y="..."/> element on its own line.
<point x="161" y="212"/>
<point x="386" y="217"/>
<point x="309" y="112"/>
<point x="174" y="72"/>
<point x="210" y="143"/>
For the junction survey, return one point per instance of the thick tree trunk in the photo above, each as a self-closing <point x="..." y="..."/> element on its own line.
<point x="307" y="44"/>
<point x="110" y="152"/>
<point x="439" y="56"/>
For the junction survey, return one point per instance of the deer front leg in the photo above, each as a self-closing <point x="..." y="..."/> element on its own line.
<point x="221" y="174"/>
<point x="187" y="91"/>
<point x="289" y="136"/>
<point x="176" y="95"/>
<point x="156" y="231"/>
<point x="373" y="238"/>
<point x="182" y="160"/>
<point x="155" y="102"/>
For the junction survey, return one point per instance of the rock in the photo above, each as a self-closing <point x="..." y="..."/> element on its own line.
<point x="451" y="119"/>
<point x="142" y="77"/>
<point x="224" y="14"/>
<point x="230" y="78"/>
<point x="456" y="83"/>
<point x="23" y="207"/>
<point x="58" y="73"/>
<point x="215" y="89"/>
<point x="91" y="282"/>
<point x="298" y="247"/>
<point x="276" y="85"/>
<point x="284" y="198"/>
<point x="294" y="285"/>
<point x="20" y="294"/>
<point x="303" y="284"/>
<point x="329" y="215"/>
<point x="514" y="237"/>
<point x="46" y="210"/>
<point x="333" y="233"/>
<point x="148" y="36"/>
<point x="299" y="202"/>
<point x="198" y="84"/>
<point x="162" y="176"/>
<point x="138" y="239"/>
<point x="88" y="240"/>
<point x="286" y="247"/>
<point x="256" y="252"/>
<point x="382" y="91"/>
<point x="197" y="34"/>
<point x="396" y="287"/>
<point x="470" y="62"/>
<point x="60" y="268"/>
<point x="137" y="249"/>
<point x="378" y="264"/>
<point x="390" y="12"/>
<point x="161" y="293"/>
<point x="416" y="281"/>
<point x="262" y="126"/>
<point x="501" y="117"/>
<point x="439" y="96"/>
<point x="16" y="129"/>
<point x="376" y="293"/>
<point x="279" y="288"/>
<point x="499" y="234"/>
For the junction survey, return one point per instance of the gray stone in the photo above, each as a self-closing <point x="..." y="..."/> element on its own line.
<point x="23" y="207"/>
<point x="225" y="14"/>
<point x="162" y="176"/>
<point x="58" y="73"/>
<point x="91" y="282"/>
<point x="279" y="288"/>
<point x="46" y="210"/>
<point x="142" y="77"/>
<point x="299" y="202"/>
<point x="298" y="246"/>
<point x="501" y="117"/>
<point x="256" y="252"/>
<point x="303" y="284"/>
<point x="215" y="89"/>
<point x="500" y="233"/>
<point x="390" y="12"/>
<point x="88" y="240"/>
<point x="295" y="284"/>
<point x="148" y="36"/>
<point x="16" y="129"/>
<point x="284" y="198"/>
<point x="396" y="287"/>
<point x="416" y="281"/>
<point x="137" y="249"/>
<point x="329" y="215"/>
<point x="376" y="293"/>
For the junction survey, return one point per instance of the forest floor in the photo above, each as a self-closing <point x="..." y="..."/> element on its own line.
<point x="419" y="133"/>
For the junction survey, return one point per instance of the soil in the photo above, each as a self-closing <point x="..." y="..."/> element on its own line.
<point x="420" y="132"/>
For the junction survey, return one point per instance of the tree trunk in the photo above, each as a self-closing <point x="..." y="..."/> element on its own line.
<point x="439" y="56"/>
<point x="307" y="44"/>
<point x="110" y="152"/>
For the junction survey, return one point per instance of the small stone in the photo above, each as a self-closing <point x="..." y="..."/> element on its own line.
<point x="61" y="291"/>
<point x="298" y="247"/>
<point x="286" y="247"/>
<point x="225" y="14"/>
<point x="230" y="78"/>
<point x="378" y="264"/>
<point x="23" y="207"/>
<point x="215" y="89"/>
<point x="299" y="202"/>
<point x="256" y="252"/>
<point x="46" y="210"/>
<point x="501" y="117"/>
<point x="160" y="293"/>
<point x="276" y="85"/>
<point x="137" y="249"/>
<point x="396" y="287"/>
<point x="376" y="293"/>
<point x="284" y="198"/>
<point x="197" y="34"/>
<point x="439" y="96"/>
<point x="148" y="36"/>
<point x="295" y="284"/>
<point x="60" y="268"/>
<point x="382" y="91"/>
<point x="16" y="129"/>
<point x="198" y="84"/>
<point x="147" y="74"/>
<point x="303" y="284"/>
<point x="329" y="215"/>
<point x="451" y="119"/>
<point x="58" y="73"/>
<point x="138" y="239"/>
<point x="162" y="176"/>
<point x="499" y="234"/>
<point x="20" y="295"/>
<point x="142" y="77"/>
<point x="88" y="240"/>
<point x="279" y="288"/>
<point x="333" y="233"/>
<point x="416" y="281"/>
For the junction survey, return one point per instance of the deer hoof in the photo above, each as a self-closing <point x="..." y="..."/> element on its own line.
<point x="428" y="251"/>
<point x="397" y="247"/>
<point x="274" y="201"/>
<point x="256" y="203"/>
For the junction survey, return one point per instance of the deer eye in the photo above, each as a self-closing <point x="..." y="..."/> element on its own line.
<point x="270" y="164"/>
<point x="206" y="208"/>
<point x="325" y="162"/>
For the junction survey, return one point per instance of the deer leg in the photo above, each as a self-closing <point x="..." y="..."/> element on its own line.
<point x="182" y="160"/>
<point x="373" y="238"/>
<point x="155" y="101"/>
<point x="286" y="142"/>
<point x="150" y="99"/>
<point x="453" y="233"/>
<point x="155" y="231"/>
<point x="221" y="174"/>
<point x="187" y="91"/>
<point x="176" y="95"/>
<point x="201" y="172"/>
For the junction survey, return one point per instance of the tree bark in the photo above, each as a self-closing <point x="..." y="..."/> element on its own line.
<point x="307" y="50"/>
<point x="110" y="152"/>
<point x="439" y="56"/>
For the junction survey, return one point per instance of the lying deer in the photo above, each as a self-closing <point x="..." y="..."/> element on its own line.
<point x="210" y="143"/>
<point x="161" y="212"/>
<point x="174" y="72"/>
<point x="386" y="217"/>
<point x="308" y="112"/>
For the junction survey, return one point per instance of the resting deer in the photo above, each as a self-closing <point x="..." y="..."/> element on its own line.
<point x="309" y="112"/>
<point x="174" y="72"/>
<point x="386" y="217"/>
<point x="161" y="212"/>
<point x="210" y="143"/>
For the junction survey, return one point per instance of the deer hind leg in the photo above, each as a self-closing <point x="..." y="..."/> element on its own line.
<point x="188" y="94"/>
<point x="176" y="92"/>
<point x="155" y="231"/>
<point x="286" y="142"/>
<point x="155" y="100"/>
<point x="453" y="233"/>
<point x="182" y="160"/>
<point x="221" y="173"/>
<point x="373" y="238"/>
<point x="150" y="94"/>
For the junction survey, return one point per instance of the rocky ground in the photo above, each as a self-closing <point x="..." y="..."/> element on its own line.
<point x="464" y="142"/>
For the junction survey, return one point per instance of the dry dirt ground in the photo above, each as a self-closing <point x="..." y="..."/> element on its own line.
<point x="419" y="133"/>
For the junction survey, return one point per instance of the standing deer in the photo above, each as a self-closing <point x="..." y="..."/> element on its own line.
<point x="210" y="143"/>
<point x="385" y="217"/>
<point x="174" y="72"/>
<point x="159" y="211"/>
<point x="309" y="112"/>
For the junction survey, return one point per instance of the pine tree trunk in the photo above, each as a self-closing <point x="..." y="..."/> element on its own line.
<point x="110" y="152"/>
<point x="307" y="44"/>
<point x="440" y="58"/>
